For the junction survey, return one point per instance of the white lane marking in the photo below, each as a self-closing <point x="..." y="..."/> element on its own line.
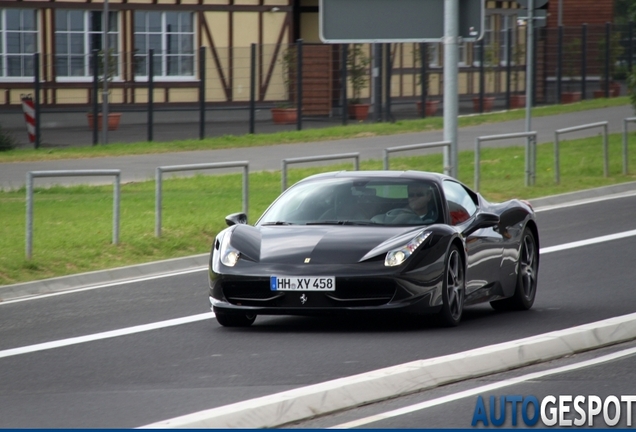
<point x="106" y="285"/>
<point x="483" y="389"/>
<point x="587" y="242"/>
<point x="585" y="201"/>
<point x="105" y="335"/>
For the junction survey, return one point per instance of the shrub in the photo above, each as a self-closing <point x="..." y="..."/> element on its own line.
<point x="7" y="140"/>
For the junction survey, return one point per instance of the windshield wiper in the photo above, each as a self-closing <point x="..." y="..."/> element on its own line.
<point x="277" y="223"/>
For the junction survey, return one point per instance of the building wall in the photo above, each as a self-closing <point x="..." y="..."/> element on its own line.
<point x="227" y="28"/>
<point x="577" y="12"/>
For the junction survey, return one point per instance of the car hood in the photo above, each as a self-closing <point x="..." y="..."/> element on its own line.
<point x="321" y="244"/>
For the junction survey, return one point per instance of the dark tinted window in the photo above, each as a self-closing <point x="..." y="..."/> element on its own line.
<point x="460" y="203"/>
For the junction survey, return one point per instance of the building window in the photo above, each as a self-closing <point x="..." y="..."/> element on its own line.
<point x="461" y="53"/>
<point x="171" y="37"/>
<point x="18" y="42"/>
<point x="77" y="34"/>
<point x="434" y="55"/>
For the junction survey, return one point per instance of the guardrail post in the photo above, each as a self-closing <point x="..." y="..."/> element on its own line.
<point x="158" y="201"/>
<point x="625" y="142"/>
<point x="283" y="175"/>
<point x="477" y="161"/>
<point x="69" y="173"/>
<point x="246" y="189"/>
<point x="605" y="152"/>
<point x="29" y="215"/>
<point x="557" y="164"/>
<point x="530" y="157"/>
<point x="116" y="206"/>
<point x="558" y="132"/>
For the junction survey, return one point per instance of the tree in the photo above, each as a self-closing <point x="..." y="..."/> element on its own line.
<point x="357" y="71"/>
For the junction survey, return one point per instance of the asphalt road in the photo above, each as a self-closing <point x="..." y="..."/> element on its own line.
<point x="148" y="376"/>
<point x="142" y="167"/>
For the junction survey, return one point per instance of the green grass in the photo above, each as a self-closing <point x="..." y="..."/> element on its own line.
<point x="73" y="225"/>
<point x="310" y="135"/>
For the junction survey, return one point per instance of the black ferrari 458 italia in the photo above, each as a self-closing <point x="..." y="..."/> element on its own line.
<point x="406" y="242"/>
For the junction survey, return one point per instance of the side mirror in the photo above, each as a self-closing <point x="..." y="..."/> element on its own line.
<point x="236" y="219"/>
<point x="482" y="220"/>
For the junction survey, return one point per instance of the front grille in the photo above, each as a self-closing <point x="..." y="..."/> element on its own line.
<point x="350" y="292"/>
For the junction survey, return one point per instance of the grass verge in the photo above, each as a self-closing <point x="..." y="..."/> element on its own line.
<point x="73" y="225"/>
<point x="309" y="135"/>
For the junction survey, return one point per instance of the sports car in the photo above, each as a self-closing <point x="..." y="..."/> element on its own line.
<point x="404" y="242"/>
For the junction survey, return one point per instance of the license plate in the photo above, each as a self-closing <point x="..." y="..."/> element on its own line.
<point x="302" y="283"/>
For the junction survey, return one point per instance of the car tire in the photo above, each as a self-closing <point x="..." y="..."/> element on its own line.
<point x="527" y="272"/>
<point x="234" y="319"/>
<point x="453" y="289"/>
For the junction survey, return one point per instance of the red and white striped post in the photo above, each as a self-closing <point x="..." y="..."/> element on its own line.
<point x="29" y="116"/>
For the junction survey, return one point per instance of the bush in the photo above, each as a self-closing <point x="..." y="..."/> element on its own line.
<point x="7" y="141"/>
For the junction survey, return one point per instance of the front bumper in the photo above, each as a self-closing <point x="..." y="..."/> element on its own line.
<point x="231" y="293"/>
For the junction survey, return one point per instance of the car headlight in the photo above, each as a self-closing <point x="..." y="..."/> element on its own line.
<point x="397" y="256"/>
<point x="229" y="255"/>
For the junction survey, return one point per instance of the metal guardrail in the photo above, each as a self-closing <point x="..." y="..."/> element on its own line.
<point x="625" y="141"/>
<point x="285" y="162"/>
<point x="557" y="164"/>
<point x="447" y="169"/>
<point x="531" y="154"/>
<point x="195" y="167"/>
<point x="69" y="173"/>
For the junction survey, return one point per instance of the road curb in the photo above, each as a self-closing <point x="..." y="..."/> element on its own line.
<point x="308" y="402"/>
<point x="120" y="274"/>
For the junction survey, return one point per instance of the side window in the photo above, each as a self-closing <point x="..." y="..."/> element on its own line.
<point x="460" y="204"/>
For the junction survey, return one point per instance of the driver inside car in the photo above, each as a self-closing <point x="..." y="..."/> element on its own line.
<point x="421" y="207"/>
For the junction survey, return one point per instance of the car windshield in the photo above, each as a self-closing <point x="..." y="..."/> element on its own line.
<point x="347" y="201"/>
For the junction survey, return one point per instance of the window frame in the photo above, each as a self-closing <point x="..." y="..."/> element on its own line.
<point x="87" y="42"/>
<point x="162" y="55"/>
<point x="5" y="55"/>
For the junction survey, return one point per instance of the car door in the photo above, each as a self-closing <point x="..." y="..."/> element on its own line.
<point x="484" y="246"/>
